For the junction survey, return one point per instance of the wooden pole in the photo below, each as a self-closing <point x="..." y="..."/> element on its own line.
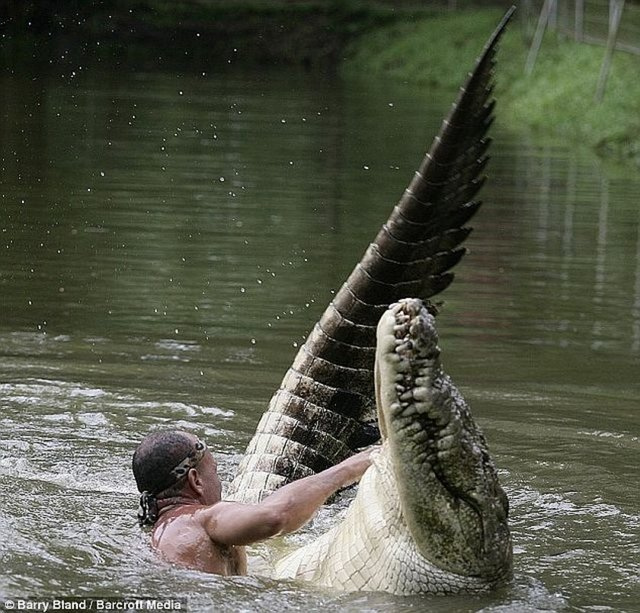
<point x="525" y="12"/>
<point x="552" y="20"/>
<point x="615" y="16"/>
<point x="578" y="27"/>
<point x="543" y="20"/>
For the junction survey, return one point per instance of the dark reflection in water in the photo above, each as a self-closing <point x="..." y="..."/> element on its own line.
<point x="167" y="241"/>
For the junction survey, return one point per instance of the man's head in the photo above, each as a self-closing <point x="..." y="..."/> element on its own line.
<point x="173" y="464"/>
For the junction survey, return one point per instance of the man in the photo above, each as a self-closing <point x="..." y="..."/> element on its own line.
<point x="194" y="527"/>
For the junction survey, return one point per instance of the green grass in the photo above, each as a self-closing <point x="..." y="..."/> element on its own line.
<point x="558" y="98"/>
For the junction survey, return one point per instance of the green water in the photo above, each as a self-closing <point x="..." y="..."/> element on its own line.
<point x="167" y="240"/>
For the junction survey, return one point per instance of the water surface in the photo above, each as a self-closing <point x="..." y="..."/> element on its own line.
<point x="167" y="241"/>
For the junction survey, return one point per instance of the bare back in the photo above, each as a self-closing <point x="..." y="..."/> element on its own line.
<point x="180" y="537"/>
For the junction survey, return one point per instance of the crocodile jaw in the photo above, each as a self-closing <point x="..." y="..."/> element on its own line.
<point x="450" y="497"/>
<point x="406" y="337"/>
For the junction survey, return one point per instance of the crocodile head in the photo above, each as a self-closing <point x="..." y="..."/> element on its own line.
<point x="450" y="497"/>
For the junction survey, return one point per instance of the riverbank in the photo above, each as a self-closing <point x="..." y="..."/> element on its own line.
<point x="379" y="40"/>
<point x="557" y="99"/>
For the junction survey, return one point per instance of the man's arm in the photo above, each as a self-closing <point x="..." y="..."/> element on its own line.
<point x="286" y="510"/>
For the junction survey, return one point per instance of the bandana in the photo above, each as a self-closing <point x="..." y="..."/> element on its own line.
<point x="148" y="509"/>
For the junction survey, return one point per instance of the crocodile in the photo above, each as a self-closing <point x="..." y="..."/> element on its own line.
<point x="433" y="485"/>
<point x="430" y="515"/>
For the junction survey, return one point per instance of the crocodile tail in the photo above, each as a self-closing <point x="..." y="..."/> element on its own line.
<point x="325" y="405"/>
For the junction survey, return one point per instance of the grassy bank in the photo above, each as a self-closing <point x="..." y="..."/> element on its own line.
<point x="376" y="38"/>
<point x="558" y="98"/>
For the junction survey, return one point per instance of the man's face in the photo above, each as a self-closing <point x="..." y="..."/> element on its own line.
<point x="208" y="470"/>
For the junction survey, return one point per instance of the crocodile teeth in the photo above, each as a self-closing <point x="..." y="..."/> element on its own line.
<point x="421" y="436"/>
<point x="421" y="393"/>
<point x="421" y="407"/>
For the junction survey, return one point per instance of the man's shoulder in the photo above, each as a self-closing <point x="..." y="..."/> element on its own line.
<point x="208" y="515"/>
<point x="169" y="531"/>
<point x="186" y="516"/>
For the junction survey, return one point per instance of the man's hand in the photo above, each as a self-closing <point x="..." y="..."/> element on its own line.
<point x="355" y="466"/>
<point x="284" y="511"/>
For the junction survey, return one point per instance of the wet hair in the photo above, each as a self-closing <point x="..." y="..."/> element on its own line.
<point x="160" y="464"/>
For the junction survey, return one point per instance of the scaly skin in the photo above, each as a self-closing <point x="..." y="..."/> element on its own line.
<point x="430" y="515"/>
<point x="325" y="407"/>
